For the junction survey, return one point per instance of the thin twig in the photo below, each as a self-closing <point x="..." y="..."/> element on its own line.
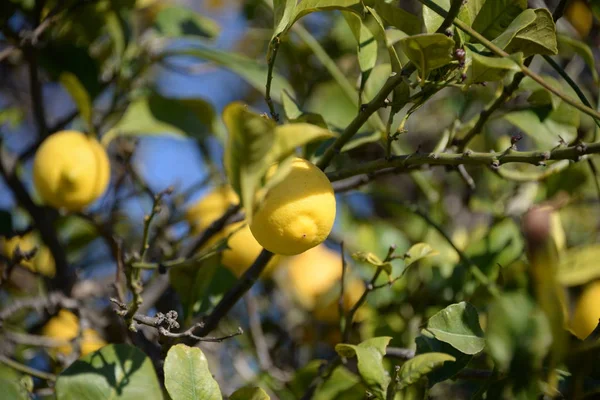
<point x="494" y="159"/>
<point x="25" y="369"/>
<point x="341" y="305"/>
<point x="214" y="228"/>
<point x="271" y="56"/>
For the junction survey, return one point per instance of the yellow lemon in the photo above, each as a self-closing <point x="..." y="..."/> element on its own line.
<point x="65" y="326"/>
<point x="587" y="311"/>
<point x="297" y="213"/>
<point x="210" y="208"/>
<point x="70" y="170"/>
<point x="243" y="247"/>
<point x="580" y="16"/>
<point x="42" y="262"/>
<point x="312" y="273"/>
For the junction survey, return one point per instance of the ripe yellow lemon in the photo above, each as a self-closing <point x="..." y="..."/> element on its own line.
<point x="70" y="170"/>
<point x="243" y="247"/>
<point x="580" y="16"/>
<point x="42" y="262"/>
<point x="587" y="311"/>
<point x="65" y="326"/>
<point x="297" y="213"/>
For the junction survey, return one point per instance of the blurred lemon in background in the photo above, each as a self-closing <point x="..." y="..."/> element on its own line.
<point x="42" y="262"/>
<point x="65" y="326"/>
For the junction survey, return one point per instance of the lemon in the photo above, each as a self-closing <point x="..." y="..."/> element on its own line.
<point x="65" y="326"/>
<point x="42" y="262"/>
<point x="243" y="247"/>
<point x="297" y="213"/>
<point x="587" y="311"/>
<point x="313" y="278"/>
<point x="580" y="16"/>
<point x="70" y="170"/>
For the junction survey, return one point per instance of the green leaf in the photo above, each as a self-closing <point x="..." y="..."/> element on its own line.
<point x="522" y="21"/>
<point x="335" y="387"/>
<point x="370" y="363"/>
<point x="191" y="283"/>
<point x="417" y="252"/>
<point x="579" y="265"/>
<point x="283" y="10"/>
<point x="538" y="37"/>
<point x="496" y="15"/>
<point x="290" y="107"/>
<point x="426" y="343"/>
<point x="116" y="371"/>
<point x="250" y="139"/>
<point x="543" y="127"/>
<point x="491" y="69"/>
<point x="416" y="368"/>
<point x="397" y="17"/>
<point x="568" y="44"/>
<point x="373" y="260"/>
<point x="13" y="385"/>
<point x="176" y="21"/>
<point x="80" y="96"/>
<point x="458" y="325"/>
<point x="155" y="114"/>
<point x="187" y="375"/>
<point x="517" y="331"/>
<point x="250" y="70"/>
<point x="306" y="7"/>
<point x="540" y="96"/>
<point x="396" y="65"/>
<point x="428" y="51"/>
<point x="467" y="13"/>
<point x="366" y="43"/>
<point x="249" y="393"/>
<point x="288" y="137"/>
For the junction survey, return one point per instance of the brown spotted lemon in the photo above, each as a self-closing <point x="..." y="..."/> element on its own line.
<point x="70" y="170"/>
<point x="65" y="326"/>
<point x="297" y="213"/>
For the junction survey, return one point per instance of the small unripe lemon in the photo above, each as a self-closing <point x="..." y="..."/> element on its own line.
<point x="42" y="262"/>
<point x="297" y="213"/>
<point x="587" y="311"/>
<point x="70" y="170"/>
<point x="243" y="247"/>
<point x="65" y="326"/>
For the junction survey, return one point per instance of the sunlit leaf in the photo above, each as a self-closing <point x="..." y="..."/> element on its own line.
<point x="421" y="365"/>
<point x="458" y="325"/>
<point x="187" y="375"/>
<point x="249" y="393"/>
<point x="579" y="265"/>
<point x="116" y="371"/>
<point x="495" y="16"/>
<point x="372" y="259"/>
<point x="428" y="51"/>
<point x="79" y="95"/>
<point x="417" y="252"/>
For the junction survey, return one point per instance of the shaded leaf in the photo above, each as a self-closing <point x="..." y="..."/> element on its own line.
<point x="417" y="252"/>
<point x="568" y="43"/>
<point x="370" y="363"/>
<point x="373" y="260"/>
<point x="306" y="7"/>
<point x="517" y="331"/>
<point x="187" y="375"/>
<point x="495" y="16"/>
<point x="426" y="343"/>
<point x="366" y="43"/>
<point x="421" y="365"/>
<point x="522" y="21"/>
<point x="176" y="21"/>
<point x="458" y="325"/>
<point x="249" y="393"/>
<point x="490" y="69"/>
<point x="336" y="386"/>
<point x="158" y="115"/>
<point x="428" y="51"/>
<point x="116" y="371"/>
<point x="538" y="37"/>
<point x="290" y="107"/>
<point x="13" y="385"/>
<point x="250" y="139"/>
<point x="79" y="95"/>
<point x="283" y="10"/>
<point x="397" y="17"/>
